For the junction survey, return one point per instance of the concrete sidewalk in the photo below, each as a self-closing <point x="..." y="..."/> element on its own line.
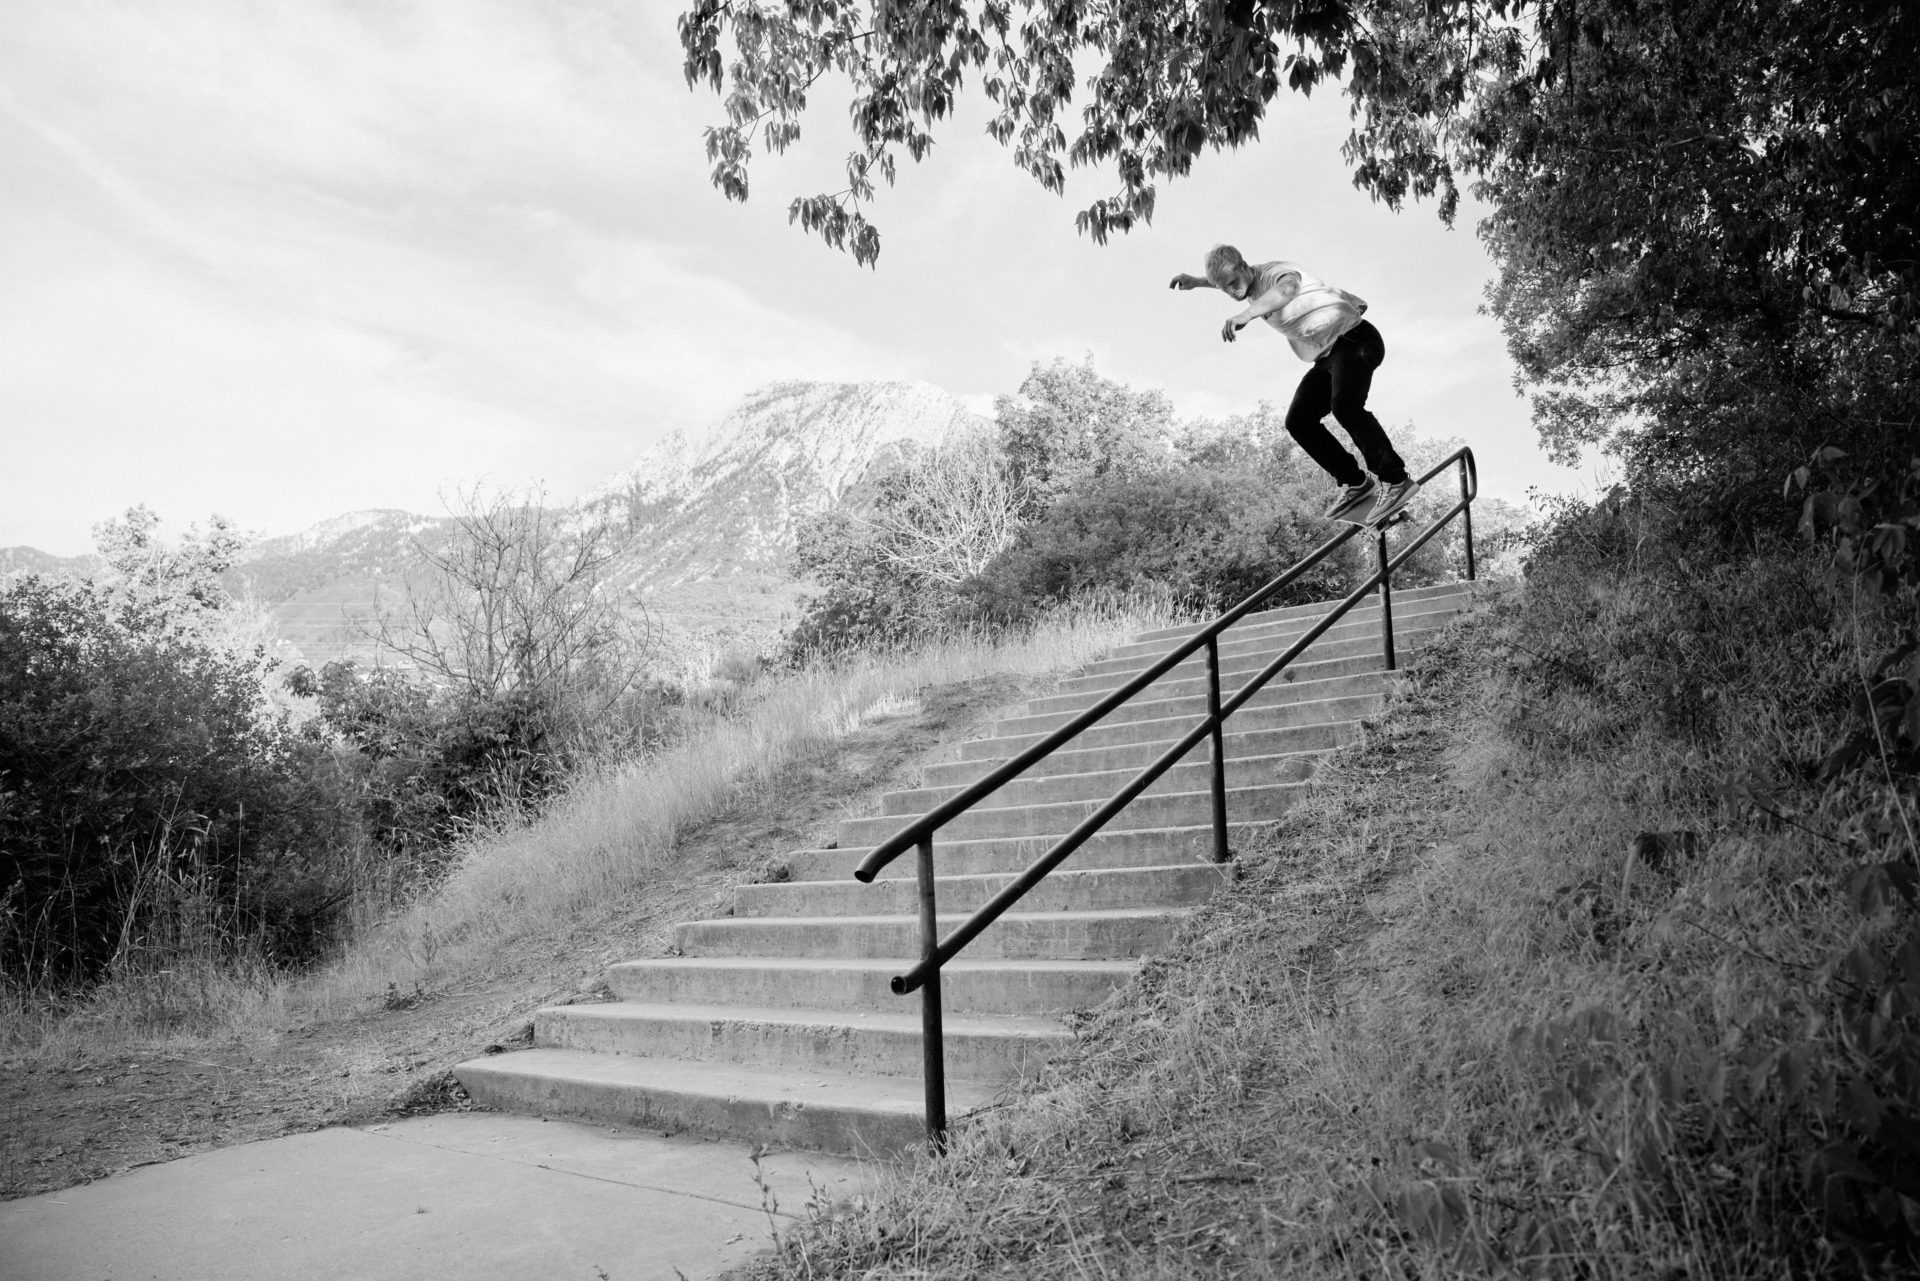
<point x="475" y="1196"/>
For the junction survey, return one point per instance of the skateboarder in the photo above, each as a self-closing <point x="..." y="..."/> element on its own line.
<point x="1324" y="326"/>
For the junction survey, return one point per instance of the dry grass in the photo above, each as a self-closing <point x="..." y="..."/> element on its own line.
<point x="616" y="828"/>
<point x="1444" y="1025"/>
<point x="184" y="1053"/>
<point x="540" y="879"/>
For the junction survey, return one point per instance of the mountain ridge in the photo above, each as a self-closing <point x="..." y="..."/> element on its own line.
<point x="713" y="518"/>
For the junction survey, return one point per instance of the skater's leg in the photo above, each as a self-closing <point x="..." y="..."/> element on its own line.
<point x="1350" y="367"/>
<point x="1311" y="400"/>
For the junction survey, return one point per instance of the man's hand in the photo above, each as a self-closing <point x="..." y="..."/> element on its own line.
<point x="1184" y="281"/>
<point x="1232" y="327"/>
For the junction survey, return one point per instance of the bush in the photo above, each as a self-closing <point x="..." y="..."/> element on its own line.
<point x="430" y="762"/>
<point x="1206" y="538"/>
<point x="1766" y="1087"/>
<point x="866" y="600"/>
<point x="1090" y="487"/>
<point x="141" y="765"/>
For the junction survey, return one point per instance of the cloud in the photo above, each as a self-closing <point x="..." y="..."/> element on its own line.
<point x="284" y="261"/>
<point x="415" y="233"/>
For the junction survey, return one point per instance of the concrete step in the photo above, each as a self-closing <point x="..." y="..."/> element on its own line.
<point x="1299" y="675"/>
<point x="1169" y="726"/>
<point x="1305" y="615"/>
<point x="1235" y="669"/>
<point x="968" y="985"/>
<point x="777" y="1024"/>
<point x="1142" y="847"/>
<point x="1019" y="935"/>
<point x="1277" y="693"/>
<point x="1192" y="775"/>
<point x="1173" y="809"/>
<point x="1238" y="650"/>
<point x="1069" y="889"/>
<point x="1311" y="739"/>
<point x="883" y="1043"/>
<point x="871" y="1116"/>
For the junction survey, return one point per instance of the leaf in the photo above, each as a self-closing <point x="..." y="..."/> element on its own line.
<point x="1878" y="887"/>
<point x="1851" y="749"/>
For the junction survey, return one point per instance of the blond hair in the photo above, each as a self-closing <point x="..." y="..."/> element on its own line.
<point x="1222" y="262"/>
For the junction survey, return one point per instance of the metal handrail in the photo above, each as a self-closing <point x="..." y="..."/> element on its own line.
<point x="936" y="952"/>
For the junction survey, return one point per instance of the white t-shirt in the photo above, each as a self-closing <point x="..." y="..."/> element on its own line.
<point x="1316" y="313"/>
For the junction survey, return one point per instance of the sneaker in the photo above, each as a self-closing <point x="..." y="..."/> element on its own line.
<point x="1351" y="499"/>
<point x="1392" y="498"/>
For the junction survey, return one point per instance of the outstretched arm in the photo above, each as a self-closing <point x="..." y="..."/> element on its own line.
<point x="1184" y="281"/>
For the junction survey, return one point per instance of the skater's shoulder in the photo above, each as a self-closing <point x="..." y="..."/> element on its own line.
<point x="1269" y="276"/>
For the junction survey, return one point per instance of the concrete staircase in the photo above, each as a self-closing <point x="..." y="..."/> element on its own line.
<point x="776" y="1025"/>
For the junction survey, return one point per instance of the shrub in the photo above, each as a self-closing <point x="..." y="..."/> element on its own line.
<point x="1767" y="693"/>
<point x="139" y="763"/>
<point x="1068" y="425"/>
<point x="429" y="762"/>
<point x="1206" y="537"/>
<point x="865" y="601"/>
<point x="1091" y="487"/>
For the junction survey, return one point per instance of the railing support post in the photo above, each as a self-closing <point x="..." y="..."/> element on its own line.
<point x="932" y="1049"/>
<point x="1386" y="598"/>
<point x="1466" y="516"/>
<point x="1217" y="753"/>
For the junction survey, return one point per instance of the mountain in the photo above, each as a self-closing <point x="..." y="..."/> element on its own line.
<point x="716" y="516"/>
<point x="713" y="515"/>
<point x="31" y="560"/>
<point x="317" y="581"/>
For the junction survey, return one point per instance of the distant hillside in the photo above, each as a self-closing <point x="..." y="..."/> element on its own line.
<point x="31" y="560"/>
<point x="316" y="581"/>
<point x="714" y="516"/>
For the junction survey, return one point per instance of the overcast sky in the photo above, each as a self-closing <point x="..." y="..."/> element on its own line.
<point x="282" y="262"/>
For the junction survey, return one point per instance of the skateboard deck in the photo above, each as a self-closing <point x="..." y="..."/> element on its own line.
<point x="1397" y="518"/>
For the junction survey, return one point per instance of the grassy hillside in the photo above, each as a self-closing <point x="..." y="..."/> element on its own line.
<point x="1572" y="966"/>
<point x="155" y="1065"/>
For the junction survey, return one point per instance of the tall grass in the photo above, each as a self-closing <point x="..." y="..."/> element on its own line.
<point x="1568" y="969"/>
<point x="527" y="875"/>
<point x="617" y="826"/>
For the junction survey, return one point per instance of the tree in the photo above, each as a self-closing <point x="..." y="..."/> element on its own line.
<point x="890" y="562"/>
<point x="1703" y="214"/>
<point x="1067" y="423"/>
<point x="141" y="766"/>
<point x="1203" y="537"/>
<point x="1439" y="87"/>
<point x="945" y="514"/>
<point x="518" y="600"/>
<point x="1174" y="81"/>
<point x="865" y="599"/>
<point x="1707" y="239"/>
<point x="1212" y="511"/>
<point x="178" y="585"/>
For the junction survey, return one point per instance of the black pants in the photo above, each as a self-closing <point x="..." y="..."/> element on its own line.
<point x="1339" y="381"/>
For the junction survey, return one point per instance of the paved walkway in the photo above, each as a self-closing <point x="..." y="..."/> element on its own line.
<point x="474" y="1196"/>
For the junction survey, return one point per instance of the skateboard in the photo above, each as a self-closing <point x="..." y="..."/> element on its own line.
<point x="1398" y="518"/>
